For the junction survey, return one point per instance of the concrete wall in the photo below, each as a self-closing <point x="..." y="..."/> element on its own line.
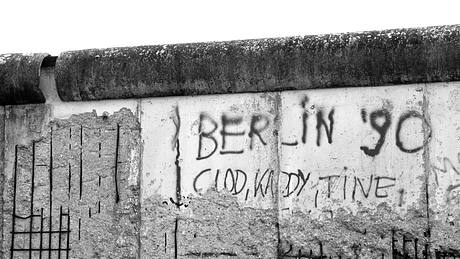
<point x="368" y="172"/>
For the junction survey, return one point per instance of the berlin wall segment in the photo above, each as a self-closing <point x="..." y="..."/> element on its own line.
<point x="349" y="172"/>
<point x="336" y="172"/>
<point x="344" y="168"/>
<point x="211" y="222"/>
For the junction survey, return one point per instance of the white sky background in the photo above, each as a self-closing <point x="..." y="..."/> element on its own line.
<point x="56" y="26"/>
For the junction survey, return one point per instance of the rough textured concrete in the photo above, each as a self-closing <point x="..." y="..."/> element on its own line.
<point x="2" y="168"/>
<point x="23" y="124"/>
<point x="77" y="177"/>
<point x="215" y="225"/>
<point x="402" y="56"/>
<point x="19" y="78"/>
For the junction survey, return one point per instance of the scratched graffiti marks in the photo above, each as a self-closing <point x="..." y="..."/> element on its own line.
<point x="444" y="193"/>
<point x="448" y="168"/>
<point x="444" y="168"/>
<point x="72" y="195"/>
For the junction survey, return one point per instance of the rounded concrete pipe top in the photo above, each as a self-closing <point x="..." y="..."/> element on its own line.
<point x="401" y="56"/>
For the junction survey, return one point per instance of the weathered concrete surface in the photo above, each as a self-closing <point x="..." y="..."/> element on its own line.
<point x="22" y="126"/>
<point x="376" y="58"/>
<point x="348" y="188"/>
<point x="209" y="184"/>
<point x="369" y="172"/>
<point x="19" y="79"/>
<point x="443" y="109"/>
<point x="332" y="172"/>
<point x="2" y="168"/>
<point x="351" y="172"/>
<point x="78" y="174"/>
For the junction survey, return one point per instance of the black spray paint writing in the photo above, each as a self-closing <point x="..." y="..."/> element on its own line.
<point x="320" y="123"/>
<point x="402" y="119"/>
<point x="380" y="121"/>
<point x="236" y="181"/>
<point x="299" y="180"/>
<point x="262" y="183"/>
<point x="382" y="129"/>
<point x="335" y="185"/>
<point x="258" y="124"/>
<point x="207" y="135"/>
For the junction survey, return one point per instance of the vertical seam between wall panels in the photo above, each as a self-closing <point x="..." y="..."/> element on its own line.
<point x="278" y="118"/>
<point x="176" y="146"/>
<point x="2" y="171"/>
<point x="426" y="162"/>
<point x="139" y="181"/>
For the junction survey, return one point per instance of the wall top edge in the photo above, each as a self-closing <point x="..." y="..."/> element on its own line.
<point x="20" y="77"/>
<point x="374" y="58"/>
